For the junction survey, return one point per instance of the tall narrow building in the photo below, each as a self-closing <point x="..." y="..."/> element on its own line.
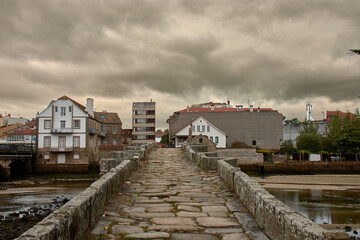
<point x="143" y="122"/>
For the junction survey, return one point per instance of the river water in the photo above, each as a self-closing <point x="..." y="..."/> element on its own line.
<point x="325" y="199"/>
<point x="22" y="198"/>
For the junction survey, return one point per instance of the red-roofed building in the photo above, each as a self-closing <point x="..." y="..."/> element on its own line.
<point x="330" y="115"/>
<point x="257" y="126"/>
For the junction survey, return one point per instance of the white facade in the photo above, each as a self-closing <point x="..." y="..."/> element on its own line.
<point x="204" y="127"/>
<point x="62" y="121"/>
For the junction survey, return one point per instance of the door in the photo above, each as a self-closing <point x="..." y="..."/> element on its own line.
<point x="62" y="142"/>
<point x="61" y="158"/>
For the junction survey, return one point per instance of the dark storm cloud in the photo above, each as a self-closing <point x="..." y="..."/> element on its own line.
<point x="278" y="50"/>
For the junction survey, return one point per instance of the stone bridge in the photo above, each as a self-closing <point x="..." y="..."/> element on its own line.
<point x="177" y="194"/>
<point x="15" y="159"/>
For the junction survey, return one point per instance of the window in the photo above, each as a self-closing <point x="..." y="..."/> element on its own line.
<point x="46" y="156"/>
<point x="208" y="128"/>
<point x="47" y="124"/>
<point x="76" y="156"/>
<point x="62" y="124"/>
<point x="56" y="109"/>
<point x="76" y="141"/>
<point x="198" y="128"/>
<point x="102" y="116"/>
<point x="104" y="141"/>
<point x="114" y="142"/>
<point x="76" y="123"/>
<point x="141" y="112"/>
<point x="203" y="128"/>
<point x="69" y="108"/>
<point x="216" y="139"/>
<point x="193" y="128"/>
<point x="62" y="111"/>
<point x="47" y="141"/>
<point x="140" y="129"/>
<point x="211" y="139"/>
<point x="141" y="120"/>
<point x="254" y="143"/>
<point x="200" y="140"/>
<point x="104" y="130"/>
<point x="141" y="137"/>
<point x="114" y="129"/>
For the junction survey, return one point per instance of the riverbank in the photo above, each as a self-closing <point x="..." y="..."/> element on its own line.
<point x="25" y="202"/>
<point x="48" y="179"/>
<point x="303" y="167"/>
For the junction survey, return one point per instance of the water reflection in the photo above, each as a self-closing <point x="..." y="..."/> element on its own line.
<point x="323" y="206"/>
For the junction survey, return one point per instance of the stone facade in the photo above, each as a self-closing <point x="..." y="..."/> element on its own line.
<point x="111" y="126"/>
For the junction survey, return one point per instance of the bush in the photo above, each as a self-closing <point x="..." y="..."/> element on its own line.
<point x="287" y="147"/>
<point x="309" y="142"/>
<point x="238" y="144"/>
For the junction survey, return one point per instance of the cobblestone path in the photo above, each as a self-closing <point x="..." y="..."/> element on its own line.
<point x="172" y="198"/>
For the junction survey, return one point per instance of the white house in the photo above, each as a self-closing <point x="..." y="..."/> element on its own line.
<point x="204" y="127"/>
<point x="68" y="134"/>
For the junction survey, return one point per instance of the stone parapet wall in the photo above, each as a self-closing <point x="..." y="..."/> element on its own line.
<point x="244" y="156"/>
<point x="111" y="159"/>
<point x="78" y="217"/>
<point x="276" y="219"/>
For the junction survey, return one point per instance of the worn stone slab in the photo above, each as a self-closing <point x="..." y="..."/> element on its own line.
<point x="235" y="236"/>
<point x="197" y="195"/>
<point x="151" y="215"/>
<point x="235" y="206"/>
<point x="100" y="226"/>
<point x="158" y="194"/>
<point x="214" y="209"/>
<point x="223" y="230"/>
<point x="173" y="228"/>
<point x="120" y="220"/>
<point x="218" y="214"/>
<point x="173" y="221"/>
<point x="191" y="214"/>
<point x="117" y="229"/>
<point x="159" y="209"/>
<point x="148" y="235"/>
<point x="150" y="205"/>
<point x="188" y="208"/>
<point x="192" y="236"/>
<point x="216" y="222"/>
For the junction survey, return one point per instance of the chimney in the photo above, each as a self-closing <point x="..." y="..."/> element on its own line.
<point x="251" y="108"/>
<point x="258" y="109"/>
<point x="228" y="102"/>
<point x="90" y="106"/>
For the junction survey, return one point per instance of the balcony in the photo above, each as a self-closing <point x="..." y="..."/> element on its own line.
<point x="93" y="131"/>
<point x="68" y="149"/>
<point x="62" y="130"/>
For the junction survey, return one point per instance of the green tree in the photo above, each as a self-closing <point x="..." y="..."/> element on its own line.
<point x="165" y="139"/>
<point x="309" y="142"/>
<point x="348" y="140"/>
<point x="287" y="147"/>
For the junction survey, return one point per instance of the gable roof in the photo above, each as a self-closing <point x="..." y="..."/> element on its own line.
<point x="82" y="107"/>
<point x="205" y="121"/>
<point x="107" y="117"/>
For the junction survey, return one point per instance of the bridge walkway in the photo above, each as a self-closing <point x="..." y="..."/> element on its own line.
<point x="170" y="197"/>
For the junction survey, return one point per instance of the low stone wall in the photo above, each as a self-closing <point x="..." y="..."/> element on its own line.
<point x="78" y="217"/>
<point x="62" y="168"/>
<point x="244" y="156"/>
<point x="277" y="220"/>
<point x="111" y="159"/>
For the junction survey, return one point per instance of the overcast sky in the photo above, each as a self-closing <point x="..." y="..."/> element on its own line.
<point x="277" y="53"/>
